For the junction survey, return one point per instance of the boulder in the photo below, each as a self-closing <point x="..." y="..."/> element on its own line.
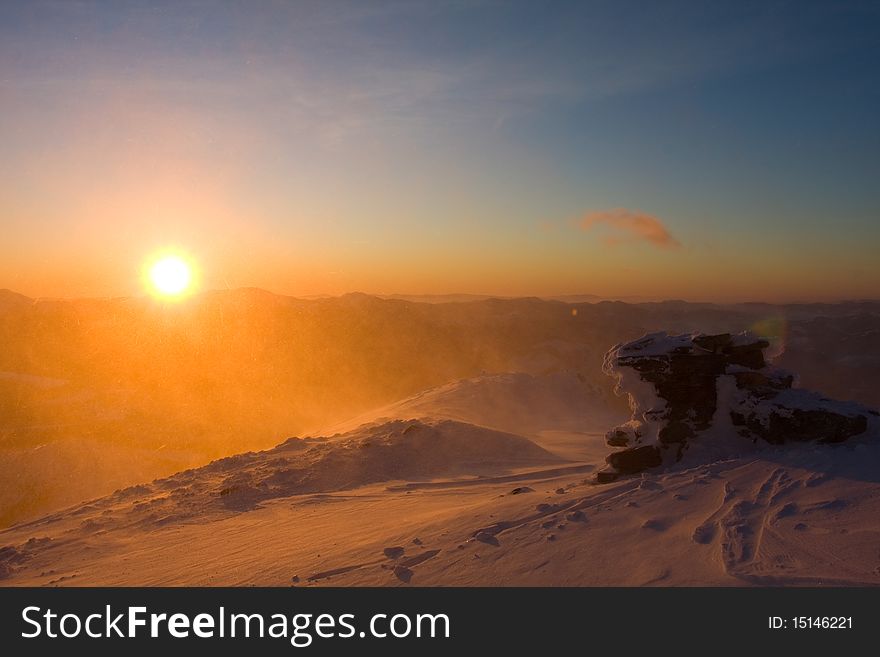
<point x="635" y="459"/>
<point x="673" y="385"/>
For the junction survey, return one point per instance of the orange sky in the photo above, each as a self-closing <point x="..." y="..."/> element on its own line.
<point x="307" y="153"/>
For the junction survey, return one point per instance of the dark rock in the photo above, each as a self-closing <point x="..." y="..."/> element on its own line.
<point x="624" y="435"/>
<point x="11" y="556"/>
<point x="635" y="459"/>
<point x="713" y="343"/>
<point x="749" y="355"/>
<point x="684" y="371"/>
<point x="393" y="552"/>
<point x="617" y="438"/>
<point x="784" y="425"/>
<point x="522" y="489"/>
<point x="403" y="573"/>
<point x="676" y="432"/>
<point x="753" y="379"/>
<point x="606" y="476"/>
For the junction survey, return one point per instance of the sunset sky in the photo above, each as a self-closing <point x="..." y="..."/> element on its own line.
<point x="656" y="149"/>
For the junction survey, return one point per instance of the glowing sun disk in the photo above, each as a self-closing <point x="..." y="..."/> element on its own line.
<point x="170" y="276"/>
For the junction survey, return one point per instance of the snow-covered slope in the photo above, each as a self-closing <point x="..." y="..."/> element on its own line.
<point x="440" y="501"/>
<point x="790" y="516"/>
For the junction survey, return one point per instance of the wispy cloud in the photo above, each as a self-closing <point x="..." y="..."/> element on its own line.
<point x="630" y="226"/>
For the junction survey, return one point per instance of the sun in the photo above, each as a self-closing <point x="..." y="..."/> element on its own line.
<point x="170" y="276"/>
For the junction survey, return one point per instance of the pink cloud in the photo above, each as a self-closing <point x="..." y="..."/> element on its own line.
<point x="630" y="226"/>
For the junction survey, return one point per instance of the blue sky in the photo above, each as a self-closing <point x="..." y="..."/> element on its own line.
<point x="320" y="147"/>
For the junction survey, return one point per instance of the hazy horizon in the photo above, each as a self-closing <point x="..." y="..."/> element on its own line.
<point x="568" y="297"/>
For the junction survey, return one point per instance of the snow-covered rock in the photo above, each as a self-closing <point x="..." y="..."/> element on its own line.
<point x="675" y="385"/>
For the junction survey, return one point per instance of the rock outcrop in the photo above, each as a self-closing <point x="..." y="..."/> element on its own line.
<point x="682" y="386"/>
